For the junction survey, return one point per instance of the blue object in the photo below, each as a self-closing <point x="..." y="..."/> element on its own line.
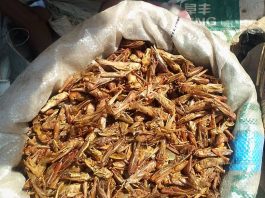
<point x="247" y="147"/>
<point x="38" y="3"/>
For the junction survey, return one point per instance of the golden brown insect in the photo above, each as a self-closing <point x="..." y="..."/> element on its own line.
<point x="139" y="123"/>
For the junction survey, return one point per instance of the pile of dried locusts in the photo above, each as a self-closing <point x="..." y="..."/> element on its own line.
<point x="141" y="123"/>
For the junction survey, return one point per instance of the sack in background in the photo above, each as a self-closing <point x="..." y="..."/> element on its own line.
<point x="66" y="14"/>
<point x="225" y="18"/>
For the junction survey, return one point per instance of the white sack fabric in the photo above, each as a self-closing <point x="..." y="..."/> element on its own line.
<point x="101" y="35"/>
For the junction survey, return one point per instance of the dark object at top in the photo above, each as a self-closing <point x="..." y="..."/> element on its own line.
<point x="248" y="40"/>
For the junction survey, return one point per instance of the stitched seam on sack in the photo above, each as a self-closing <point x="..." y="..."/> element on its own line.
<point x="174" y="28"/>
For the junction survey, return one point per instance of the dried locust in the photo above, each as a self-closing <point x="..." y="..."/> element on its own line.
<point x="140" y="123"/>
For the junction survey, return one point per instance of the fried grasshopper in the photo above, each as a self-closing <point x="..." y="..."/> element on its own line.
<point x="140" y="123"/>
